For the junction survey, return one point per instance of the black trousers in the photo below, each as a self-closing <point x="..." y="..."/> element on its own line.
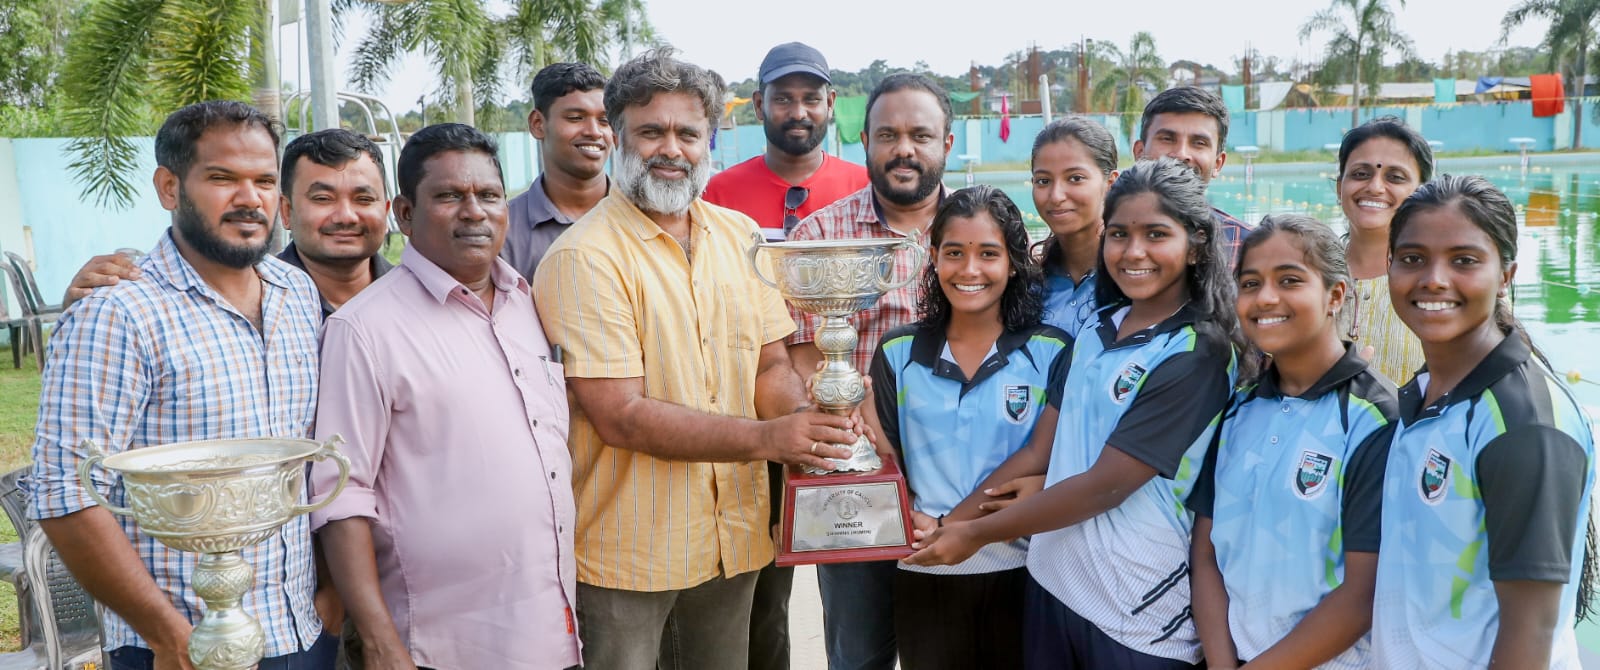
<point x="959" y="621"/>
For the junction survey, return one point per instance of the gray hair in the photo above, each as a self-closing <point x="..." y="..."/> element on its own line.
<point x="656" y="71"/>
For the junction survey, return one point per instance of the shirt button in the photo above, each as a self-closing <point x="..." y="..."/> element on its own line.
<point x="535" y="423"/>
<point x="1274" y="439"/>
<point x="1285" y="408"/>
<point x="552" y="475"/>
<point x="713" y="400"/>
<point x="517" y="372"/>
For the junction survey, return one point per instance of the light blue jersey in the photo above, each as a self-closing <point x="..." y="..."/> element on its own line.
<point x="1068" y="305"/>
<point x="1294" y="483"/>
<point x="953" y="432"/>
<point x="1155" y="395"/>
<point x="1489" y="483"/>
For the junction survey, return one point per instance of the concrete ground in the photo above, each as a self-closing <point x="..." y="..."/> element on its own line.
<point x="806" y="650"/>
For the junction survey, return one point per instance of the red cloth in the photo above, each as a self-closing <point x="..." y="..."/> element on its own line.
<point x="754" y="190"/>
<point x="1005" y="118"/>
<point x="1548" y="98"/>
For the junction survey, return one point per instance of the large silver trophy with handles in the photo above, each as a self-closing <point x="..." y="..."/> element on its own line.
<point x="214" y="498"/>
<point x="828" y="517"/>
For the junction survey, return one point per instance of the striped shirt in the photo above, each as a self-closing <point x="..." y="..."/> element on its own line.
<point x="166" y="359"/>
<point x="618" y="295"/>
<point x="1396" y="351"/>
<point x="856" y="217"/>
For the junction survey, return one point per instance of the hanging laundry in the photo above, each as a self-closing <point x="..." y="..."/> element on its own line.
<point x="1005" y="118"/>
<point x="1548" y="98"/>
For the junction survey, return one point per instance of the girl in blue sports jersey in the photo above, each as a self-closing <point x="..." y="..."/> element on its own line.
<point x="955" y="394"/>
<point x="1074" y="164"/>
<point x="1108" y="558"/>
<point x="1486" y="496"/>
<point x="1287" y="507"/>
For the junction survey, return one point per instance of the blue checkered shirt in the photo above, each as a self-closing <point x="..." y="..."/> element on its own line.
<point x="165" y="359"/>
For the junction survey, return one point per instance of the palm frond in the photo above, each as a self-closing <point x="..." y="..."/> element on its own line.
<point x="201" y="52"/>
<point x="103" y="83"/>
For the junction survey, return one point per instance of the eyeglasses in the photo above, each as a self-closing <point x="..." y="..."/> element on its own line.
<point x="792" y="200"/>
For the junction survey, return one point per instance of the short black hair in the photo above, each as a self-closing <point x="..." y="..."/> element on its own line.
<point x="1186" y="100"/>
<point x="437" y="139"/>
<point x="331" y="147"/>
<point x="917" y="82"/>
<point x="558" y="79"/>
<point x="175" y="141"/>
<point x="1395" y="129"/>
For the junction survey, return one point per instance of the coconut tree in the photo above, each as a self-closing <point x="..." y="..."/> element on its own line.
<point x="130" y="58"/>
<point x="1361" y="32"/>
<point x="1574" y="25"/>
<point x="1119" y="88"/>
<point x="466" y="45"/>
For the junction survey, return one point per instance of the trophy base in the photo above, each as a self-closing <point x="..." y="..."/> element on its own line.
<point x="844" y="518"/>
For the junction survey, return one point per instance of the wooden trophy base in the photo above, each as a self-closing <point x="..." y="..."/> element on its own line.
<point x="844" y="517"/>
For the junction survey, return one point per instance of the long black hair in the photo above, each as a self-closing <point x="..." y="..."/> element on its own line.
<point x="1492" y="212"/>
<point x="1022" y="303"/>
<point x="1181" y="195"/>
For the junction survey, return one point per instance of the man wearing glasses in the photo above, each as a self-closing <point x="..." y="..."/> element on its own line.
<point x="794" y="178"/>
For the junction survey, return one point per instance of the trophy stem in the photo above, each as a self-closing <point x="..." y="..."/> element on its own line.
<point x="838" y="389"/>
<point x="227" y="637"/>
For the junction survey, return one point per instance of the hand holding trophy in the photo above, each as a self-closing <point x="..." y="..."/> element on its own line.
<point x="860" y="510"/>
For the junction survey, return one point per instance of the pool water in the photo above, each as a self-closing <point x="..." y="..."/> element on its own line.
<point x="1557" y="286"/>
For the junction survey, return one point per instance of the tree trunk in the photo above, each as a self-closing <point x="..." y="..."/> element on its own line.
<point x="1577" y="96"/>
<point x="465" y="112"/>
<point x="264" y="60"/>
<point x="1355" y="91"/>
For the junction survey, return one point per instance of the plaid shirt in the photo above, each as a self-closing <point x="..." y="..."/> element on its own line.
<point x="855" y="216"/>
<point x="166" y="359"/>
<point x="1233" y="234"/>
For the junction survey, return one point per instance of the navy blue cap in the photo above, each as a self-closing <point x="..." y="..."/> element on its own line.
<point x="787" y="59"/>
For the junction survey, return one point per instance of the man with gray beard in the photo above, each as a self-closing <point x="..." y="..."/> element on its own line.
<point x="682" y="388"/>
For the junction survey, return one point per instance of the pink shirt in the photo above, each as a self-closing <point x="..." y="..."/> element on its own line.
<point x="455" y="423"/>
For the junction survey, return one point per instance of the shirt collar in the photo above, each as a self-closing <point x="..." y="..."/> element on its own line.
<point x="541" y="209"/>
<point x="1346" y="368"/>
<point x="1506" y="356"/>
<point x="1186" y="315"/>
<point x="168" y="262"/>
<point x="928" y="343"/>
<point x="439" y="283"/>
<point x="291" y="255"/>
<point x="637" y="222"/>
<point x="877" y="205"/>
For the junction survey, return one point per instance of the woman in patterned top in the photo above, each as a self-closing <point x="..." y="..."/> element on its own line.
<point x="1381" y="163"/>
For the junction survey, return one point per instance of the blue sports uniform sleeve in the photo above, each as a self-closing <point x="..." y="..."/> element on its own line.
<point x="1531" y="479"/>
<point x="1361" y="518"/>
<point x="1182" y="396"/>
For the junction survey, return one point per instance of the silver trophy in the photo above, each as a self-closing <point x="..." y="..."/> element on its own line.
<point x="834" y="279"/>
<point x="214" y="498"/>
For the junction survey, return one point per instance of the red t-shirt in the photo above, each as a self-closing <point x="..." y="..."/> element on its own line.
<point x="755" y="190"/>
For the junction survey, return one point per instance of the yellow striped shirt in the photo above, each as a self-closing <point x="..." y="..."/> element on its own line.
<point x="1397" y="353"/>
<point x="618" y="295"/>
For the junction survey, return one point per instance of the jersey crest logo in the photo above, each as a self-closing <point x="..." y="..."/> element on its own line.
<point x="1312" y="478"/>
<point x="1017" y="405"/>
<point x="1435" y="475"/>
<point x="1127" y="381"/>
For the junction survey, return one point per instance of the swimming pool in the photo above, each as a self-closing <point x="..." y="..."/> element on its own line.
<point x="1557" y="287"/>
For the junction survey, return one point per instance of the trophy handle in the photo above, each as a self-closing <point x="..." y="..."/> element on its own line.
<point x="914" y="243"/>
<point x="755" y="248"/>
<point x="330" y="449"/>
<point x="87" y="464"/>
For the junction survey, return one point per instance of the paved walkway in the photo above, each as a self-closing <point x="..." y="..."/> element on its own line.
<point x="806" y="651"/>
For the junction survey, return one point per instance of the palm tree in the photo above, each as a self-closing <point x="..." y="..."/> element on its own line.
<point x="467" y="45"/>
<point x="1119" y="88"/>
<point x="1573" y="25"/>
<point x="1362" y="30"/>
<point x="131" y="58"/>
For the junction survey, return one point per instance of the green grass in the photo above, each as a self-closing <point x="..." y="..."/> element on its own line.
<point x="19" y="406"/>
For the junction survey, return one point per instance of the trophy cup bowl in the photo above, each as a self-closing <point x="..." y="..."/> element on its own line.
<point x="825" y="518"/>
<point x="214" y="498"/>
